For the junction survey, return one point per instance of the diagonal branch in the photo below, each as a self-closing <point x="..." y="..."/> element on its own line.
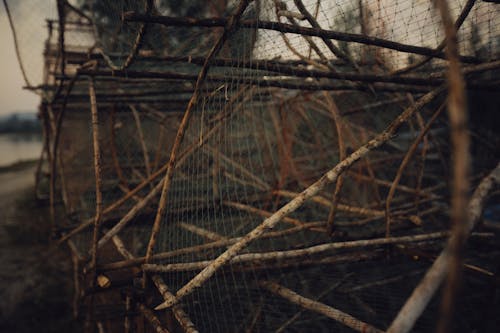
<point x="297" y="202"/>
<point x="423" y="293"/>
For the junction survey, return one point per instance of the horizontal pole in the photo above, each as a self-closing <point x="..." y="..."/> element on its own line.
<point x="294" y="29"/>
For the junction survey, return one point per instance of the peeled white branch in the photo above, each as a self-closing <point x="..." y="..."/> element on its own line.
<point x="423" y="293"/>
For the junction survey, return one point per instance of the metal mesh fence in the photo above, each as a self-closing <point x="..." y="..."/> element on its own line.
<point x="257" y="166"/>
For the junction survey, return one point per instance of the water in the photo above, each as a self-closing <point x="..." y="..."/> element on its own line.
<point x="17" y="147"/>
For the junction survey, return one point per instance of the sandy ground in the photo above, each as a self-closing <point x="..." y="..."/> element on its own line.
<point x="35" y="290"/>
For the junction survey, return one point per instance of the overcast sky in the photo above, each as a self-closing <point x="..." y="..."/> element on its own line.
<point x="31" y="35"/>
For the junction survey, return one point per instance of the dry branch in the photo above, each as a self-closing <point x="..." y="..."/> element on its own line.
<point x="97" y="169"/>
<point x="289" y="28"/>
<point x="260" y="212"/>
<point x="201" y="232"/>
<point x="330" y="176"/>
<point x="418" y="85"/>
<point x="152" y="318"/>
<point x="403" y="165"/>
<point x="327" y="203"/>
<point x="208" y="246"/>
<point x="184" y="123"/>
<point x="255" y="258"/>
<point x="460" y="158"/>
<point x="427" y="287"/>
<point x="181" y="316"/>
<point x="312" y="21"/>
<point x="330" y="312"/>
<point x="140" y="133"/>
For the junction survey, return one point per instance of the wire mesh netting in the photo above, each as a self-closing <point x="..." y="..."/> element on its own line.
<point x="257" y="166"/>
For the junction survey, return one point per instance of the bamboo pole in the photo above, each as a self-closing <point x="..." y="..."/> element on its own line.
<point x="297" y="202"/>
<point x="335" y="314"/>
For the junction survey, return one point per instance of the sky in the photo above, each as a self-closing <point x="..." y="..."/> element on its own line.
<point x="13" y="97"/>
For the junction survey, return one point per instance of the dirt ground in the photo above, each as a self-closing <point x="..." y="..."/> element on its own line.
<point x="35" y="294"/>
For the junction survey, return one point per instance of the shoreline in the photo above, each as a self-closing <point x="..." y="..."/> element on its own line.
<point x="18" y="165"/>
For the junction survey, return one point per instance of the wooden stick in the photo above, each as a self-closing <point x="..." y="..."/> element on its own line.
<point x="112" y="146"/>
<point x="184" y="123"/>
<point x="297" y="202"/>
<point x="403" y="165"/>
<point x="97" y="170"/>
<point x="289" y="82"/>
<point x="289" y="28"/>
<point x="141" y="139"/>
<point x="318" y="307"/>
<point x="130" y="214"/>
<point x="149" y="4"/>
<point x="460" y="156"/>
<point x="424" y="193"/>
<point x="183" y="157"/>
<point x="458" y="23"/>
<point x="428" y="286"/>
<point x="201" y="232"/>
<point x="292" y="254"/>
<point x="327" y="203"/>
<point x="16" y="44"/>
<point x="315" y="262"/>
<point x="312" y="21"/>
<point x="152" y="318"/>
<point x="181" y="316"/>
<point x="342" y="154"/>
<point x="260" y="212"/>
<point x="128" y="307"/>
<point x="208" y="246"/>
<point x="318" y="298"/>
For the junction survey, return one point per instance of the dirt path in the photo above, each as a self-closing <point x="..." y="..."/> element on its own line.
<point x="13" y="184"/>
<point x="35" y="292"/>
